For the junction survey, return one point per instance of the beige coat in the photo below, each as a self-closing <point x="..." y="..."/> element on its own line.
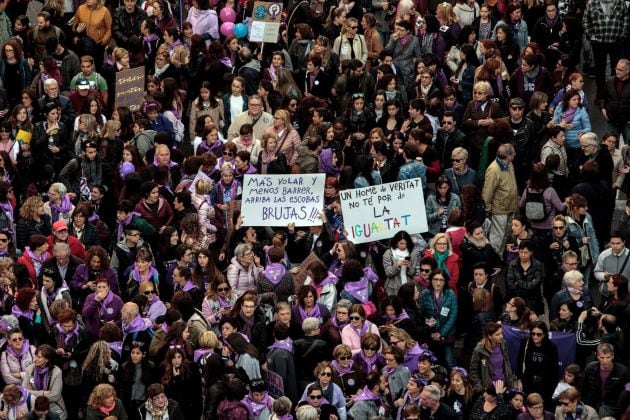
<point x="499" y="190"/>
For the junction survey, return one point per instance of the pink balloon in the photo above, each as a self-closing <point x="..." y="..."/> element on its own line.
<point x="227" y="14"/>
<point x="227" y="28"/>
<point x="215" y="2"/>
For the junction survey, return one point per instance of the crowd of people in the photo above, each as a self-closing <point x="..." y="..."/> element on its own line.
<point x="132" y="288"/>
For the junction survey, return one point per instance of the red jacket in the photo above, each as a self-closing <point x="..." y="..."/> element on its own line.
<point x="30" y="267"/>
<point x="452" y="265"/>
<point x="76" y="246"/>
<point x="163" y="217"/>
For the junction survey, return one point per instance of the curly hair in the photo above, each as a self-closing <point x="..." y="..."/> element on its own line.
<point x="30" y="206"/>
<point x="98" y="251"/>
<point x="24" y="297"/>
<point x="99" y="394"/>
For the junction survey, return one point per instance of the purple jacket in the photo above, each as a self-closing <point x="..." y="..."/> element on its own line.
<point x="81" y="276"/>
<point x="96" y="313"/>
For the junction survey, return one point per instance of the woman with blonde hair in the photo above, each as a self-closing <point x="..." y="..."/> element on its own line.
<point x="33" y="220"/>
<point x="441" y="250"/>
<point x="97" y="368"/>
<point x="323" y="49"/>
<point x="450" y="22"/>
<point x="286" y="85"/>
<point x="350" y="44"/>
<point x="270" y="159"/>
<point x="103" y="403"/>
<point x="288" y="137"/>
<point x="85" y="130"/>
<point x="410" y="347"/>
<point x="580" y="226"/>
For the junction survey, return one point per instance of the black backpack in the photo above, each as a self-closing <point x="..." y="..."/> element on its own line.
<point x="535" y="209"/>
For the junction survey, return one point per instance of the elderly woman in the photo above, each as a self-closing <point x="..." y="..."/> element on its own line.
<point x="288" y="137"/>
<point x="58" y="206"/>
<point x="100" y="307"/>
<point x="346" y="373"/>
<point x="479" y="115"/>
<point x="81" y="227"/>
<point x="307" y="306"/>
<point x="331" y="391"/>
<point x="163" y="157"/>
<point x="460" y="174"/>
<point x="271" y="160"/>
<point x="103" y="403"/>
<point x="573" y="291"/>
<point x="331" y="329"/>
<point x="352" y="334"/>
<point x="401" y="262"/>
<point x="440" y="249"/>
<point x="17" y="357"/>
<point x="44" y="378"/>
<point x="244" y="269"/>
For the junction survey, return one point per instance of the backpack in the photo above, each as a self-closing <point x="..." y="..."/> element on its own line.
<point x="535" y="209"/>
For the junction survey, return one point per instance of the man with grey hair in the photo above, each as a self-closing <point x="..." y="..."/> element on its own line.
<point x="500" y="195"/>
<point x="592" y="150"/>
<point x="431" y="407"/>
<point x="63" y="262"/>
<point x="52" y="94"/>
<point x="259" y="119"/>
<point x="616" y="101"/>
<point x="308" y="352"/>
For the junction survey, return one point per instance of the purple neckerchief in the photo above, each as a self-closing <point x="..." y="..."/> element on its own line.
<point x="24" y="395"/>
<point x="17" y="312"/>
<point x="325" y="162"/>
<point x="68" y="336"/>
<point x="103" y="305"/>
<point x="387" y="371"/>
<point x="171" y="164"/>
<point x="274" y="272"/>
<point x="340" y="370"/>
<point x="370" y="275"/>
<point x="199" y="353"/>
<point x="367" y="395"/>
<point x="50" y="298"/>
<point x="138" y="324"/>
<point x="138" y="277"/>
<point x="255" y="408"/>
<point x="221" y="162"/>
<point x="338" y="325"/>
<point x="188" y="286"/>
<point x="336" y="267"/>
<point x="121" y="225"/>
<point x="173" y="46"/>
<point x="403" y="315"/>
<point x="8" y="209"/>
<point x="364" y="328"/>
<point x="569" y="114"/>
<point x="146" y="41"/>
<point x="285" y="417"/>
<point x="40" y="377"/>
<point x="314" y="312"/>
<point x="209" y="148"/>
<point x="358" y="289"/>
<point x="34" y="257"/>
<point x="116" y="346"/>
<point x="286" y="344"/>
<point x="223" y="303"/>
<point x="371" y="361"/>
<point x="250" y="170"/>
<point x="25" y="347"/>
<point x="330" y="279"/>
<point x="479" y="104"/>
<point x="56" y="209"/>
<point x="499" y="80"/>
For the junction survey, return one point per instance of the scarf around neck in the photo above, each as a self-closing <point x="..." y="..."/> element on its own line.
<point x="40" y="377"/>
<point x="255" y="408"/>
<point x="17" y="312"/>
<point x="274" y="272"/>
<point x="138" y="324"/>
<point x="67" y="336"/>
<point x="286" y="344"/>
<point x="121" y="225"/>
<point x="25" y="349"/>
<point x="64" y="207"/>
<point x="340" y="370"/>
<point x="314" y="313"/>
<point x="367" y="395"/>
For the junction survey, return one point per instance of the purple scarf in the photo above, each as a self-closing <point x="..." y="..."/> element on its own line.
<point x="340" y="370"/>
<point x="569" y="114"/>
<point x="171" y="164"/>
<point x="274" y="272"/>
<point x="479" y="104"/>
<point x="68" y="336"/>
<point x="364" y="328"/>
<point x="314" y="312"/>
<point x="255" y="408"/>
<point x="326" y="162"/>
<point x="103" y="310"/>
<point x="17" y="312"/>
<point x="403" y="315"/>
<point x="56" y="209"/>
<point x="286" y="344"/>
<point x="146" y="42"/>
<point x="25" y="348"/>
<point x="138" y="324"/>
<point x="358" y="290"/>
<point x="189" y="285"/>
<point x="224" y="303"/>
<point x="338" y="325"/>
<point x="50" y="298"/>
<point x="24" y="395"/>
<point x="330" y="279"/>
<point x="121" y="225"/>
<point x="41" y="376"/>
<point x="204" y="147"/>
<point x="138" y="277"/>
<point x="116" y="346"/>
<point x="8" y="209"/>
<point x="369" y="361"/>
<point x="199" y="353"/>
<point x="34" y="257"/>
<point x="367" y="395"/>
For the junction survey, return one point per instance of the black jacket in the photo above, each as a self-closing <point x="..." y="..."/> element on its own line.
<point x="526" y="285"/>
<point x="127" y="24"/>
<point x="89" y="237"/>
<point x="617" y="106"/>
<point x="26" y="227"/>
<point x="592" y="387"/>
<point x="73" y="263"/>
<point x="174" y="411"/>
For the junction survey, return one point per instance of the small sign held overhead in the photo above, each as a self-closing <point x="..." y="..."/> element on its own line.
<point x="265" y="22"/>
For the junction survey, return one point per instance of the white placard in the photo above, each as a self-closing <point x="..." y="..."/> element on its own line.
<point x="277" y="200"/>
<point x="378" y="212"/>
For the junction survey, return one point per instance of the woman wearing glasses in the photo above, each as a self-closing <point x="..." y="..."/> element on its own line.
<point x="159" y="406"/>
<point x="368" y="358"/>
<point x="155" y="306"/>
<point x="537" y="365"/>
<point x="346" y="373"/>
<point x="397" y="375"/>
<point x="329" y="392"/>
<point x="353" y="333"/>
<point x="447" y="260"/>
<point x="18" y="355"/>
<point x="350" y="44"/>
<point x="218" y="301"/>
<point x="535" y="408"/>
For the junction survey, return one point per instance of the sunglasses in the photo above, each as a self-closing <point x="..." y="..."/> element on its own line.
<point x="149" y="292"/>
<point x="315" y="397"/>
<point x="558" y="227"/>
<point x="343" y="358"/>
<point x="534" y="334"/>
<point x="17" y="339"/>
<point x="426" y="271"/>
<point x="353" y="27"/>
<point x="456" y="160"/>
<point x="4" y="240"/>
<point x="228" y="154"/>
<point x="564" y="403"/>
<point x="355" y="318"/>
<point x="325" y="374"/>
<point x="222" y="289"/>
<point x="370" y="348"/>
<point x="516" y="108"/>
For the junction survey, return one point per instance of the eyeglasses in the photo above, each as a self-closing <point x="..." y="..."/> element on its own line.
<point x="325" y="374"/>
<point x="393" y="343"/>
<point x="4" y="130"/>
<point x="149" y="292"/>
<point x="370" y="348"/>
<point x="558" y="227"/>
<point x="564" y="403"/>
<point x="255" y="105"/>
<point x="353" y="27"/>
<point x="536" y="407"/>
<point x="315" y="397"/>
<point x="441" y="243"/>
<point x="535" y="334"/>
<point x="456" y="160"/>
<point x="228" y="154"/>
<point x="516" y="107"/>
<point x="448" y="122"/>
<point x="390" y="359"/>
<point x="425" y="271"/>
<point x="343" y="358"/>
<point x="8" y="50"/>
<point x="222" y="289"/>
<point x="4" y="240"/>
<point x="17" y="339"/>
<point x="355" y="318"/>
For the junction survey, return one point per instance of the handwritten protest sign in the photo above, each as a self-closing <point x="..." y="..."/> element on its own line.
<point x="266" y="18"/>
<point x="378" y="212"/>
<point x="130" y="87"/>
<point x="277" y="200"/>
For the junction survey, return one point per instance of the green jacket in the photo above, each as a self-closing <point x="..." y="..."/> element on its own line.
<point x="481" y="371"/>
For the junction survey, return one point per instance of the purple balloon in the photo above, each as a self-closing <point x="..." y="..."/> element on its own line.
<point x="227" y="14"/>
<point x="227" y="28"/>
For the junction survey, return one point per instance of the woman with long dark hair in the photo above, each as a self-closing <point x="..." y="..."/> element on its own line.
<point x="182" y="382"/>
<point x="247" y="356"/>
<point x="537" y="364"/>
